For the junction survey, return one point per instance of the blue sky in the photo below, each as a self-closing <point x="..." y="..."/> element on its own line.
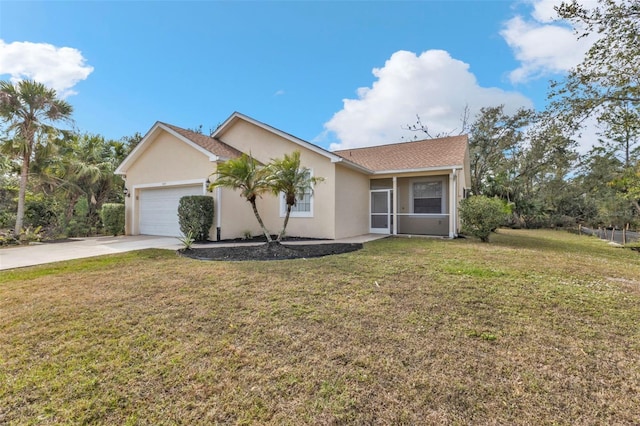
<point x="340" y="74"/>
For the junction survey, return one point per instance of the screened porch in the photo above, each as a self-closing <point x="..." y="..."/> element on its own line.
<point x="415" y="205"/>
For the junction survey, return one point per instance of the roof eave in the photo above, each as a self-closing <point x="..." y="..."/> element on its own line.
<point x="417" y="170"/>
<point x="352" y="165"/>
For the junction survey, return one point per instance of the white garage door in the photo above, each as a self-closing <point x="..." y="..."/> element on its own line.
<point x="159" y="209"/>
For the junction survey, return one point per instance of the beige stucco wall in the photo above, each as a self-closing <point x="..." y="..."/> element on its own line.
<point x="264" y="146"/>
<point x="236" y="214"/>
<point x="166" y="161"/>
<point x="352" y="203"/>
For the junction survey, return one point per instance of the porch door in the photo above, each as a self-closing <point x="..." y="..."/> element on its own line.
<point x="380" y="211"/>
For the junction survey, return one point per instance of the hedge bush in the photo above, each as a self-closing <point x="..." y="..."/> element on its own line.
<point x="195" y="215"/>
<point x="482" y="215"/>
<point x="113" y="218"/>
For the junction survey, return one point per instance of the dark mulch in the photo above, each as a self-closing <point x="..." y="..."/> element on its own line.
<point x="263" y="239"/>
<point x="273" y="251"/>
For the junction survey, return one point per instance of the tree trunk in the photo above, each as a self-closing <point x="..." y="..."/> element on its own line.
<point x="286" y="221"/>
<point x="73" y="199"/>
<point x="24" y="176"/>
<point x="255" y="212"/>
<point x="636" y="205"/>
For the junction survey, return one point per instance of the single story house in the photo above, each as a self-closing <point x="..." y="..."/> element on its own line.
<point x="402" y="188"/>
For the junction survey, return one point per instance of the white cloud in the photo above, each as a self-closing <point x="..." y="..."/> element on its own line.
<point x="543" y="45"/>
<point x="279" y="93"/>
<point x="544" y="10"/>
<point x="59" y="68"/>
<point x="433" y="85"/>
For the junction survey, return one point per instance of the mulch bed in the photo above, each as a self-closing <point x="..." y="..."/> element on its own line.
<point x="273" y="251"/>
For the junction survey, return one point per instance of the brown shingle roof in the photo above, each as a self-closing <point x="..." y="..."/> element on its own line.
<point x="422" y="154"/>
<point x="215" y="146"/>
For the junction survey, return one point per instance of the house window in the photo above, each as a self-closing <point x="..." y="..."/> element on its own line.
<point x="427" y="197"/>
<point x="302" y="208"/>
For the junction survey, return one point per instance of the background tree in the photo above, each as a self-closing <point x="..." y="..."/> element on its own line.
<point x="28" y="111"/>
<point x="609" y="72"/>
<point x="85" y="170"/>
<point x="517" y="158"/>
<point x="495" y="137"/>
<point x="125" y="145"/>
<point x="288" y="177"/>
<point x="423" y="128"/>
<point x="621" y="132"/>
<point x="605" y="87"/>
<point x="627" y="184"/>
<point x="620" y="143"/>
<point x="8" y="192"/>
<point x="542" y="162"/>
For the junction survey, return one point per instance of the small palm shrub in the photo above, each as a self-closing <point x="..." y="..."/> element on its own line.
<point x="187" y="240"/>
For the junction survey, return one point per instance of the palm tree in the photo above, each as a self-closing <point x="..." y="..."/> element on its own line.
<point x="29" y="109"/>
<point x="83" y="167"/>
<point x="246" y="175"/>
<point x="288" y="177"/>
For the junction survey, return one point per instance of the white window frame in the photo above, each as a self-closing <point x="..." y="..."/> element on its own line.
<point x="443" y="197"/>
<point x="283" y="204"/>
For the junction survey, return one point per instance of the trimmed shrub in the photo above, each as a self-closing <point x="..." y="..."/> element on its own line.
<point x="482" y="215"/>
<point x="195" y="215"/>
<point x="113" y="218"/>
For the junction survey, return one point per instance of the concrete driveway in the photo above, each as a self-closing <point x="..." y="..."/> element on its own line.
<point x="77" y="248"/>
<point x="17" y="257"/>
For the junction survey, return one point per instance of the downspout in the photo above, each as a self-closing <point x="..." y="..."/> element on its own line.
<point x="395" y="205"/>
<point x="135" y="218"/>
<point x="455" y="202"/>
<point x="218" y="211"/>
<point x="452" y="203"/>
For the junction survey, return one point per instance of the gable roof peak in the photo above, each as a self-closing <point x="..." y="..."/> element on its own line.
<point x="214" y="149"/>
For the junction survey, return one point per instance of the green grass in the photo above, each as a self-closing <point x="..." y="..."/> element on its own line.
<point x="535" y="327"/>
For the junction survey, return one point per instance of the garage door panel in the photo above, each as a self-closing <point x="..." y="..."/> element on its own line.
<point x="159" y="209"/>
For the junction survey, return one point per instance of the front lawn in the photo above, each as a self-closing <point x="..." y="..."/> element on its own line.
<point x="537" y="327"/>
